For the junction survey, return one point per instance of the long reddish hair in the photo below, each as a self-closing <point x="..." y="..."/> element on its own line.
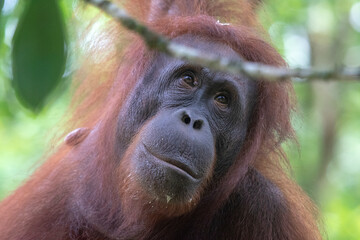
<point x="270" y="123"/>
<point x="104" y="89"/>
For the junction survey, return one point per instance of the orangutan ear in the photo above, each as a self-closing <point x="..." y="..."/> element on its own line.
<point x="77" y="136"/>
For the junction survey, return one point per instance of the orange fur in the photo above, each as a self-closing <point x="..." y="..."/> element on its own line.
<point x="84" y="178"/>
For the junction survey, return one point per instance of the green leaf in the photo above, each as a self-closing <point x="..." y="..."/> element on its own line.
<point x="2" y="25"/>
<point x="39" y="53"/>
<point x="1" y="5"/>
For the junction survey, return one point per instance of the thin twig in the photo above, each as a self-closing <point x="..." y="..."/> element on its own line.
<point x="252" y="70"/>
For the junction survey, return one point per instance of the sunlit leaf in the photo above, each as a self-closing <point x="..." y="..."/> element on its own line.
<point x="38" y="54"/>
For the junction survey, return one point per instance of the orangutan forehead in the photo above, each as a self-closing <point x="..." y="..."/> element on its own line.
<point x="208" y="46"/>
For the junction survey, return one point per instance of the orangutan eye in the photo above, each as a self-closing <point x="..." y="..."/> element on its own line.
<point x="189" y="79"/>
<point x="222" y="99"/>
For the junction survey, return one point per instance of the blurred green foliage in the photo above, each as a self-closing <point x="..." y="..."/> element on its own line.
<point x="323" y="33"/>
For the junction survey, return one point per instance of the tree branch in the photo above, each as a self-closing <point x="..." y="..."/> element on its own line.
<point x="252" y="70"/>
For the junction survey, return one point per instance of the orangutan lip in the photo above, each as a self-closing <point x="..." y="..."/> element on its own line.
<point x="181" y="166"/>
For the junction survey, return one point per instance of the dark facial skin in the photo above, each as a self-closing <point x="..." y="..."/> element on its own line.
<point x="188" y="123"/>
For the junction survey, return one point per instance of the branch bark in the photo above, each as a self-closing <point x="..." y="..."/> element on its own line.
<point x="252" y="70"/>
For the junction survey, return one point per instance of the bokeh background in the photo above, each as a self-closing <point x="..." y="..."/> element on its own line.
<point x="319" y="33"/>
